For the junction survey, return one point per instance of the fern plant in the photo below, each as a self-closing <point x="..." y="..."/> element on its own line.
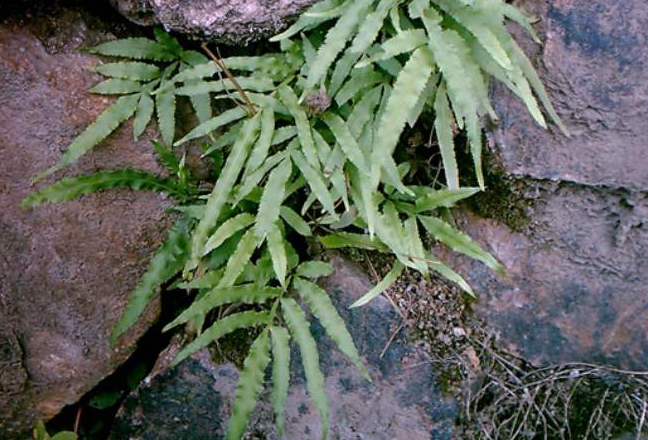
<point x="309" y="144"/>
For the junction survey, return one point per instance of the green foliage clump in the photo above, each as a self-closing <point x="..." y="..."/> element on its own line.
<point x="309" y="150"/>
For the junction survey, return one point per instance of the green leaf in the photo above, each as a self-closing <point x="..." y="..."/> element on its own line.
<point x="209" y="126"/>
<point x="142" y="114"/>
<point x="363" y="111"/>
<point x="371" y="26"/>
<point x="401" y="43"/>
<point x="315" y="181"/>
<point x="298" y="326"/>
<point x="227" y="229"/>
<point x="168" y="158"/>
<point x="321" y="306"/>
<point x="170" y="43"/>
<point x="166" y="105"/>
<point x="246" y="294"/>
<point x="449" y="274"/>
<point x="295" y="221"/>
<point x="272" y="198"/>
<point x="307" y="19"/>
<point x="408" y="86"/>
<point x="65" y="435"/>
<point x="132" y="70"/>
<point x="105" y="399"/>
<point x="341" y="71"/>
<point x="288" y="97"/>
<point x="221" y="192"/>
<point x="443" y="124"/>
<point x="415" y="250"/>
<point x="459" y="242"/>
<point x="198" y="71"/>
<point x="349" y="239"/>
<point x="239" y="258"/>
<point x="443" y="198"/>
<point x="346" y="140"/>
<point x="383" y="285"/>
<point x="277" y="250"/>
<point x="249" y="386"/>
<point x="166" y="262"/>
<point x="336" y="39"/>
<point x="314" y="269"/>
<point x="72" y="187"/>
<point x="251" y="83"/>
<point x="262" y="147"/>
<point x="280" y="374"/>
<point x="136" y="48"/>
<point x="250" y="182"/>
<point x="40" y="433"/>
<point x="513" y="13"/>
<point x="221" y="328"/>
<point x="105" y="124"/>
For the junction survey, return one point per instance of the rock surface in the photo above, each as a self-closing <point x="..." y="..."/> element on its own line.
<point x="66" y="270"/>
<point x="193" y="400"/>
<point x="578" y="285"/>
<point x="225" y="21"/>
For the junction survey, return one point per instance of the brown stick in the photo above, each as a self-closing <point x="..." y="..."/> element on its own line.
<point x="221" y="65"/>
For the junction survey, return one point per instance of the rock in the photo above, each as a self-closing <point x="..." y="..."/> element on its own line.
<point x="66" y="270"/>
<point x="193" y="400"/>
<point x="236" y="22"/>
<point x="577" y="289"/>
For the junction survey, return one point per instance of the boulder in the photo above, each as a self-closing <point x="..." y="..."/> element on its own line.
<point x="193" y="400"/>
<point x="578" y="276"/>
<point x="66" y="270"/>
<point x="236" y="22"/>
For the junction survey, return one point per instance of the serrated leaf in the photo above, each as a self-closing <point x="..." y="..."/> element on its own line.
<point x="221" y="328"/>
<point x="272" y="198"/>
<point x="295" y="221"/>
<point x="142" y="114"/>
<point x="415" y="8"/>
<point x="249" y="386"/>
<point x="277" y="251"/>
<point x="288" y="97"/>
<point x="513" y="13"/>
<point x="415" y="250"/>
<point x="165" y="104"/>
<point x="349" y="239"/>
<point x="404" y="42"/>
<point x="363" y="111"/>
<point x="315" y="181"/>
<point x="314" y="269"/>
<point x="198" y="71"/>
<point x="105" y="124"/>
<point x="443" y="125"/>
<point x="443" y="198"/>
<point x="408" y="86"/>
<point x="166" y="40"/>
<point x="300" y="331"/>
<point x="383" y="285"/>
<point x="166" y="262"/>
<point x="136" y="48"/>
<point x="346" y="141"/>
<point x="423" y="99"/>
<point x="322" y="307"/>
<point x="65" y="435"/>
<point x="336" y="39"/>
<point x="221" y="192"/>
<point x="168" y="158"/>
<point x="449" y="274"/>
<point x="227" y="229"/>
<point x="250" y="182"/>
<point x="459" y="242"/>
<point x="247" y="294"/>
<point x="341" y="71"/>
<point x="132" y="70"/>
<point x="242" y="254"/>
<point x="70" y="188"/>
<point x="251" y="83"/>
<point x="227" y="117"/>
<point x="262" y="146"/>
<point x="360" y="80"/>
<point x="280" y="374"/>
<point x="371" y="26"/>
<point x="305" y="21"/>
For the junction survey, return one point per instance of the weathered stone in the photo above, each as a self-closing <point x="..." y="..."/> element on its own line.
<point x="578" y="285"/>
<point x="224" y="21"/>
<point x="403" y="402"/>
<point x="66" y="270"/>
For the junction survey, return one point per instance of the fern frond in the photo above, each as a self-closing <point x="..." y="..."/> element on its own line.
<point x="220" y="194"/>
<point x="295" y="221"/>
<point x="346" y="141"/>
<point x="336" y="39"/>
<point x="143" y="114"/>
<point x="135" y="48"/>
<point x="166" y="262"/>
<point x="105" y="124"/>
<point x="349" y="239"/>
<point x="443" y="125"/>
<point x="230" y="227"/>
<point x="383" y="285"/>
<point x="280" y="374"/>
<point x="360" y="80"/>
<point x="415" y="249"/>
<point x="288" y="97"/>
<point x="133" y="70"/>
<point x="227" y="117"/>
<point x="315" y="181"/>
<point x="371" y="26"/>
<point x="251" y="181"/>
<point x="262" y="146"/>
<point x="314" y="269"/>
<point x="459" y="242"/>
<point x="306" y="21"/>
<point x="251" y="83"/>
<point x="236" y="263"/>
<point x="272" y="198"/>
<point x="443" y="198"/>
<point x="449" y="274"/>
<point x="219" y="296"/>
<point x="171" y="44"/>
<point x="72" y="187"/>
<point x="341" y="71"/>
<point x="221" y="328"/>
<point x="298" y="326"/>
<point x="513" y="13"/>
<point x="165" y="105"/>
<point x="403" y="42"/>
<point x="249" y="386"/>
<point x="423" y="100"/>
<point x="322" y="307"/>
<point x="199" y="71"/>
<point x="277" y="250"/>
<point x="363" y="111"/>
